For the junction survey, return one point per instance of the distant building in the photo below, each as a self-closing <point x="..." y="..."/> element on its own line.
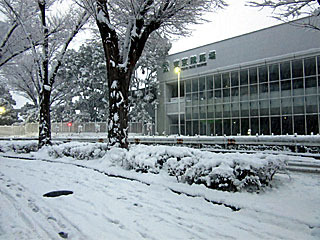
<point x="264" y="82"/>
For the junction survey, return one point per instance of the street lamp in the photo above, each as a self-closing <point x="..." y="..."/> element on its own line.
<point x="178" y="71"/>
<point x="2" y="110"/>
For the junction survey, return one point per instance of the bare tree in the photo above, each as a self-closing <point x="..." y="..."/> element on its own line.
<point x="125" y="27"/>
<point x="288" y="10"/>
<point x="47" y="36"/>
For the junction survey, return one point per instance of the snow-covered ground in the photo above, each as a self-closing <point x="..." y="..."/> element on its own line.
<point x="129" y="205"/>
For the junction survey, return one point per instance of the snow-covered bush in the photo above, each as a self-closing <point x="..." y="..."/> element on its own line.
<point x="80" y="151"/>
<point x="18" y="146"/>
<point x="229" y="171"/>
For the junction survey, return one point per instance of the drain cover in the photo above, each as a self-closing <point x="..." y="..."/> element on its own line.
<point x="57" y="193"/>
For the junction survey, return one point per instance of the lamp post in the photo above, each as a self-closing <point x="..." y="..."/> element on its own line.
<point x="2" y="110"/>
<point x="178" y="71"/>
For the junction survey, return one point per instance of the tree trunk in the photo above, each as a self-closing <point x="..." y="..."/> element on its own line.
<point x="44" y="120"/>
<point x="118" y="82"/>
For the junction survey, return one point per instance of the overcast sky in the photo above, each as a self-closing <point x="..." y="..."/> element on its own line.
<point x="234" y="20"/>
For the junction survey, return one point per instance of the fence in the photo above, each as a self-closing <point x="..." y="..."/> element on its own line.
<point x="32" y="129"/>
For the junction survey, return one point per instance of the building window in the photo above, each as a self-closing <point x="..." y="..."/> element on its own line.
<point x="253" y="75"/>
<point x="193" y="60"/>
<point x="263" y="74"/>
<point x="217" y="81"/>
<point x="202" y="57"/>
<point x="244" y="77"/>
<point x="310" y="66"/>
<point x="212" y="55"/>
<point x="285" y="71"/>
<point x="273" y="72"/>
<point x="297" y="68"/>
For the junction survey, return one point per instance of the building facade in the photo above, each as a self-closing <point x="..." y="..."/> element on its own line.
<point x="264" y="82"/>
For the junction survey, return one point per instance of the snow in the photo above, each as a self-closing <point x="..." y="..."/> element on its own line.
<point x="111" y="202"/>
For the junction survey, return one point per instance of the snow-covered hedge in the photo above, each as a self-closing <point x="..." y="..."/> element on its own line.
<point x="80" y="151"/>
<point x="229" y="171"/>
<point x="18" y="146"/>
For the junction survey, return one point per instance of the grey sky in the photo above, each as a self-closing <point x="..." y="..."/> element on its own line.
<point x="234" y="20"/>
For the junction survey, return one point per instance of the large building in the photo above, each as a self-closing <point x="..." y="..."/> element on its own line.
<point x="264" y="82"/>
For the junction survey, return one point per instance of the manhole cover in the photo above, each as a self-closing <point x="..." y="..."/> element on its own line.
<point x="57" y="193"/>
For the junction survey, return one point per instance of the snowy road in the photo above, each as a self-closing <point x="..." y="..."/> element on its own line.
<point x="103" y="207"/>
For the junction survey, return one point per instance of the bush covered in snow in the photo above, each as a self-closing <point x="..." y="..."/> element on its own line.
<point x="230" y="171"/>
<point x="19" y="146"/>
<point x="77" y="150"/>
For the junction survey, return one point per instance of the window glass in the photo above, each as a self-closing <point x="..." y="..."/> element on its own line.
<point x="254" y="126"/>
<point x="287" y="125"/>
<point x="275" y="125"/>
<point x="209" y="80"/>
<point x="264" y="107"/>
<point x="275" y="106"/>
<point x="195" y="127"/>
<point x="274" y="72"/>
<point x="286" y="105"/>
<point x="244" y="93"/>
<point x="253" y="89"/>
<point x="285" y="70"/>
<point x="234" y="79"/>
<point x="318" y="63"/>
<point x="274" y="86"/>
<point x="298" y="105"/>
<point x="311" y="104"/>
<point x="195" y="87"/>
<point x="227" y="127"/>
<point x="244" y="107"/>
<point x="217" y="81"/>
<point x="217" y="95"/>
<point x="203" y="112"/>
<point x="203" y="127"/>
<point x="188" y="112"/>
<point x="188" y="99"/>
<point x="202" y="97"/>
<point x="310" y="66"/>
<point x="235" y="91"/>
<point x="253" y="75"/>
<point x="264" y="126"/>
<point x="218" y="110"/>
<point x="263" y="74"/>
<point x="285" y="85"/>
<point x="297" y="83"/>
<point x="244" y="126"/>
<point x="297" y="68"/>
<point x="254" y="106"/>
<point x="299" y="125"/>
<point x="226" y="110"/>
<point x="210" y="111"/>
<point x="226" y="80"/>
<point x="311" y="85"/>
<point x="226" y="94"/>
<point x="202" y="83"/>
<point x="195" y="113"/>
<point x="244" y="77"/>
<point x="188" y="86"/>
<point x="312" y="124"/>
<point x="263" y="88"/>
